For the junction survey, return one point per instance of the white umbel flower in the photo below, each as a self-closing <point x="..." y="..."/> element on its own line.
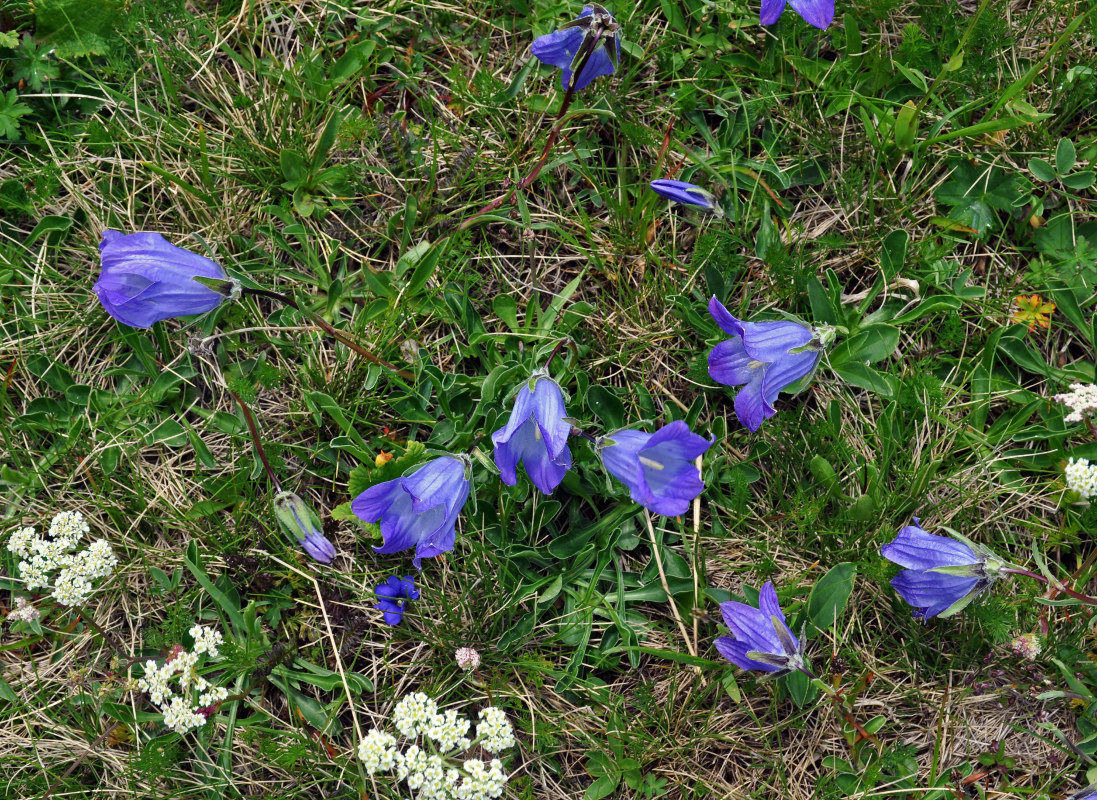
<point x="414" y="714"/>
<point x="1081" y="400"/>
<point x="378" y="751"/>
<point x="1081" y="477"/>
<point x="494" y="731"/>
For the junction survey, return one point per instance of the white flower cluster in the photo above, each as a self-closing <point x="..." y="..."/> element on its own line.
<point x="494" y="732"/>
<point x="1026" y="645"/>
<point x="1081" y="477"/>
<point x="181" y="711"/>
<point x="436" y="772"/>
<point x="1081" y="400"/>
<point x="41" y="556"/>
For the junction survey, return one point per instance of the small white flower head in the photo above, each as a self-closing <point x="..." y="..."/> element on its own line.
<point x="1081" y="477"/>
<point x="181" y="717"/>
<point x="494" y="731"/>
<point x="1026" y="645"/>
<point x="414" y="714"/>
<point x="20" y="542"/>
<point x="1081" y="400"/>
<point x="481" y="780"/>
<point x="467" y="658"/>
<point x="206" y="640"/>
<point x="23" y="611"/>
<point x="448" y="730"/>
<point x="67" y="527"/>
<point x="378" y="751"/>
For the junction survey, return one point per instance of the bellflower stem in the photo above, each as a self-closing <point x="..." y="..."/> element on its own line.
<point x="837" y="696"/>
<point x="1081" y="598"/>
<point x="329" y="329"/>
<point x="255" y="440"/>
<point x="553" y="134"/>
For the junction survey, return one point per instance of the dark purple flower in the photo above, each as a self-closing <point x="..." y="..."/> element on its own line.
<point x="301" y="522"/>
<point x="765" y="356"/>
<point x="942" y="574"/>
<point x="1089" y="793"/>
<point x="145" y="278"/>
<point x="814" y="12"/>
<point x="658" y="468"/>
<point x="536" y="435"/>
<point x="419" y="510"/>
<point x="595" y="27"/>
<point x="760" y="639"/>
<point x="394" y="594"/>
<point x="687" y="193"/>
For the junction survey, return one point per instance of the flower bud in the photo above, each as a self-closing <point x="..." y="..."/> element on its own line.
<point x="300" y="522"/>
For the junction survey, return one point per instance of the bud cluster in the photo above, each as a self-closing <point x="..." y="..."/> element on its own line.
<point x="436" y="768"/>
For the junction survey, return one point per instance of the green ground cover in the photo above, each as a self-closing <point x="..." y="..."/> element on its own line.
<point x="919" y="176"/>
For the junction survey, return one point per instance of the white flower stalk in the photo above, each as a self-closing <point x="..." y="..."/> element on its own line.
<point x="176" y="688"/>
<point x="436" y="766"/>
<point x="75" y="571"/>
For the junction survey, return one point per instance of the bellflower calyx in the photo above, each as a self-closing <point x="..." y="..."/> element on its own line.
<point x="687" y="193"/>
<point x="942" y="574"/>
<point x="419" y="510"/>
<point x="145" y="278"/>
<point x="394" y="594"/>
<point x="595" y="32"/>
<point x="814" y="12"/>
<point x="760" y="639"/>
<point x="536" y="435"/>
<point x="300" y="521"/>
<point x="658" y="468"/>
<point x="763" y="358"/>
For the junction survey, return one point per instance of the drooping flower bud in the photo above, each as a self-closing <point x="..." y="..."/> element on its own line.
<point x="301" y="522"/>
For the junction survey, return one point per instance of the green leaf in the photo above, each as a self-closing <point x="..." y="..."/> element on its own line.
<point x="602" y="787"/>
<point x="1064" y="156"/>
<point x="10" y="112"/>
<point x="1041" y="169"/>
<point x="1079" y="180"/>
<point x="870" y="344"/>
<point x="829" y="596"/>
<point x="604" y="404"/>
<point x="931" y="305"/>
<point x="293" y="169"/>
<point x="893" y="253"/>
<point x="867" y="378"/>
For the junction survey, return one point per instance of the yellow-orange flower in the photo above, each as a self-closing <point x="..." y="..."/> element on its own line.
<point x="1032" y="311"/>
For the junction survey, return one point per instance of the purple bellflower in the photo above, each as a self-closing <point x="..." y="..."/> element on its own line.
<point x="419" y="510"/>
<point x="536" y="434"/>
<point x="394" y="594"/>
<point x="1089" y="793"/>
<point x="566" y="48"/>
<point x="145" y="278"/>
<point x="686" y="193"/>
<point x="658" y="468"/>
<point x="301" y="522"/>
<point x="942" y="574"/>
<point x="763" y="358"/>
<point x="814" y="12"/>
<point x="760" y="639"/>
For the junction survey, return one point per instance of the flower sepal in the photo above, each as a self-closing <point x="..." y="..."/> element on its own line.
<point x="230" y="288"/>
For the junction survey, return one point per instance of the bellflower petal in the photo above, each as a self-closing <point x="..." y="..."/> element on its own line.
<point x="145" y="279"/>
<point x="934" y="593"/>
<point x="301" y="522"/>
<point x="535" y="435"/>
<point x="657" y="468"/>
<point x="560" y="48"/>
<point x="686" y="193"/>
<point x="759" y="358"/>
<point x="762" y="632"/>
<point x="819" y="13"/>
<point x="419" y="510"/>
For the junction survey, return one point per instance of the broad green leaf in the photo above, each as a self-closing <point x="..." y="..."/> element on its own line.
<point x="829" y="596"/>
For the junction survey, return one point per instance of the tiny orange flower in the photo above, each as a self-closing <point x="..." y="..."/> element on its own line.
<point x="382" y="458"/>
<point x="1032" y="311"/>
